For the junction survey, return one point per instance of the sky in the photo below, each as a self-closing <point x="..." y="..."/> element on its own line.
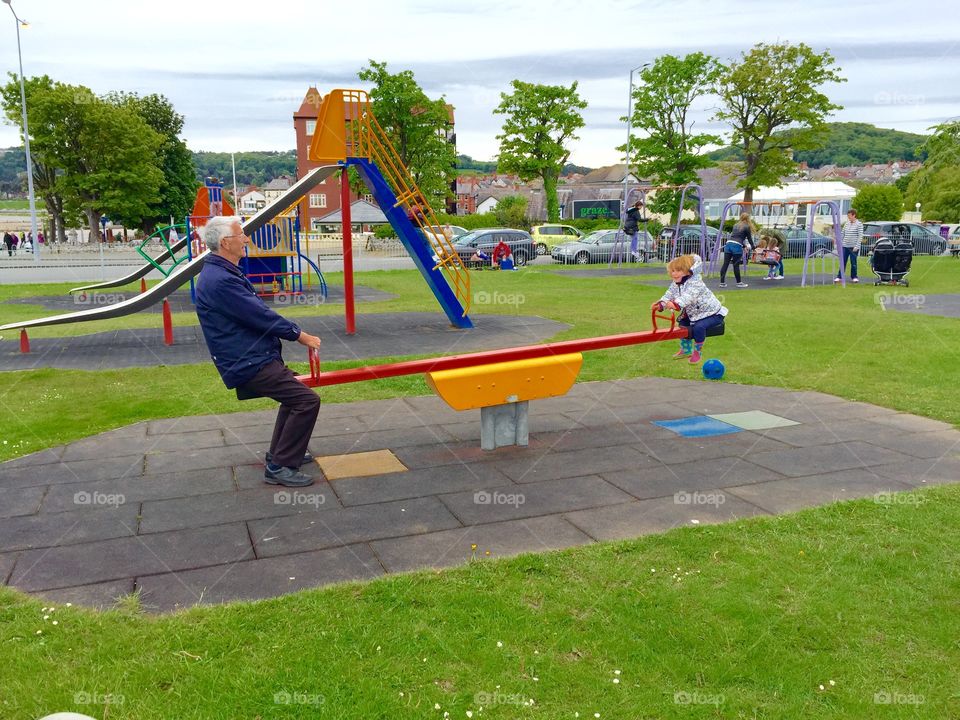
<point x="238" y="70"/>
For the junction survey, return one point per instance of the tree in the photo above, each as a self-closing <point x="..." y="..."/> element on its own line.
<point x="938" y="175"/>
<point x="511" y="211"/>
<point x="670" y="152"/>
<point x="178" y="185"/>
<point x="541" y="120"/>
<point x="101" y="156"/>
<point x="418" y="128"/>
<point x="878" y="202"/>
<point x="775" y="87"/>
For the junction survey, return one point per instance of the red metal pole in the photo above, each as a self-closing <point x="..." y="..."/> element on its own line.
<point x="452" y="362"/>
<point x="24" y="341"/>
<point x="351" y="324"/>
<point x="167" y="324"/>
<point x="143" y="285"/>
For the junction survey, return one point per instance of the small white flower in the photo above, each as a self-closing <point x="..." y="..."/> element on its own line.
<point x="436" y="706"/>
<point x="56" y="622"/>
<point x="536" y="652"/>
<point x="499" y="644"/>
<point x="821" y="687"/>
<point x="616" y="672"/>
<point x="401" y="693"/>
<point x="616" y="681"/>
<point x="536" y="679"/>
<point x="596" y="714"/>
<point x="39" y="632"/>
<point x="69" y="604"/>
<point x="46" y="617"/>
<point x="695" y="521"/>
<point x="469" y="713"/>
<point x="832" y="683"/>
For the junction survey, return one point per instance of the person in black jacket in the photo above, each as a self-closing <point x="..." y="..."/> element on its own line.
<point x="631" y="227"/>
<point x="243" y="336"/>
<point x="741" y="238"/>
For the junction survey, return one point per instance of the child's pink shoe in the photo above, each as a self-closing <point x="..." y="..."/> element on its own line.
<point x="695" y="357"/>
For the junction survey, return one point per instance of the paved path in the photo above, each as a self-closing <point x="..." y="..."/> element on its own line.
<point x="378" y="335"/>
<point x="177" y="510"/>
<point x="904" y="300"/>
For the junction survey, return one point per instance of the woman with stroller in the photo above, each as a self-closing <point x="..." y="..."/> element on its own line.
<point x="741" y="238"/>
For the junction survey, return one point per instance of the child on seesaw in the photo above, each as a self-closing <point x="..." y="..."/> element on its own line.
<point x="699" y="308"/>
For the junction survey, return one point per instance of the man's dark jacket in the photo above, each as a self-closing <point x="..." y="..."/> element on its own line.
<point x="242" y="333"/>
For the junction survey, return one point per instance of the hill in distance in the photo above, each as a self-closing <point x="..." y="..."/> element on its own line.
<point x="850" y="144"/>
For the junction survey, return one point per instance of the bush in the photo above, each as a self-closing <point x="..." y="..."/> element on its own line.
<point x="878" y="202"/>
<point x="470" y="222"/>
<point x="511" y="212"/>
<point x="382" y="232"/>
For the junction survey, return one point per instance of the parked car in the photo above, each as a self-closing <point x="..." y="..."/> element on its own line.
<point x="925" y="241"/>
<point x="450" y="232"/>
<point x="548" y="236"/>
<point x="599" y="247"/>
<point x="688" y="242"/>
<point x="486" y="239"/>
<point x="797" y="243"/>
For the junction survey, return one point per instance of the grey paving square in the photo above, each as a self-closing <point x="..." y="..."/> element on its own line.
<point x="453" y="547"/>
<point x="62" y="498"/>
<point x="71" y="472"/>
<point x="740" y="445"/>
<point x="7" y="561"/>
<point x="298" y="533"/>
<point x="34" y="460"/>
<point x="921" y="472"/>
<point x="99" y="596"/>
<point x="667" y="480"/>
<point x="20" y="501"/>
<point x="914" y="423"/>
<point x="258" y="579"/>
<point x="643" y="517"/>
<point x="419" y="483"/>
<point x="541" y="498"/>
<point x="797" y="462"/>
<point x="227" y="507"/>
<point x="789" y="495"/>
<point x="198" y="459"/>
<point x="922" y="445"/>
<point x="129" y="557"/>
<point x="550" y="464"/>
<point x="68" y="528"/>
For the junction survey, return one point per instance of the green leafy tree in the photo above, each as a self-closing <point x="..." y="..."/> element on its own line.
<point x="540" y="121"/>
<point x="101" y="156"/>
<point x="253" y="167"/>
<point x="878" y="202"/>
<point x="669" y="153"/>
<point x="419" y="129"/>
<point x="942" y="201"/>
<point x="936" y="174"/>
<point x="774" y="87"/>
<point x="511" y="211"/>
<point x="178" y="186"/>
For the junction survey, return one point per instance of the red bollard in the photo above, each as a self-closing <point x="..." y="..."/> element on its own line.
<point x="167" y="324"/>
<point x="143" y="285"/>
<point x="24" y="341"/>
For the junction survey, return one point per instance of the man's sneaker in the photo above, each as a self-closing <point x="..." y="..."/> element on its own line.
<point x="856" y="280"/>
<point x="307" y="458"/>
<point x="767" y="278"/>
<point x="742" y="285"/>
<point x="779" y="277"/>
<point x="695" y="357"/>
<point x="289" y="477"/>
<point x="836" y="280"/>
<point x="723" y="284"/>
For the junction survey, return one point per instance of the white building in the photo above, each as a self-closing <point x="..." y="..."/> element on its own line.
<point x="252" y="202"/>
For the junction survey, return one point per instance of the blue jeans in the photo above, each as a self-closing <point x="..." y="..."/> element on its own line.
<point x="699" y="327"/>
<point x="852" y="254"/>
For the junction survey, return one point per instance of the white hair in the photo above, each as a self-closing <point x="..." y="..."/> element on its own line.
<point x="218" y="228"/>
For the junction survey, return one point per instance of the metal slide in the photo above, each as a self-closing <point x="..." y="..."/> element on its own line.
<point x="138" y="273"/>
<point x="182" y="273"/>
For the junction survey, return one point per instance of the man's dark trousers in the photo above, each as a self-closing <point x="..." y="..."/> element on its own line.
<point x="299" y="406"/>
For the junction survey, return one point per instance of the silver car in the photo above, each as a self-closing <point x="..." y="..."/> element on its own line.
<point x="600" y="246"/>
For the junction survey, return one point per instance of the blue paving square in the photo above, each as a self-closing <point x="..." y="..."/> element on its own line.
<point x="698" y="426"/>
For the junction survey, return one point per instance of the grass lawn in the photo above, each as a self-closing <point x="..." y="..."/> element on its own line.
<point x="745" y="620"/>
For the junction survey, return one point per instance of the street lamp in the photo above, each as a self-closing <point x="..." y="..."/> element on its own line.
<point x="26" y="141"/>
<point x="626" y="172"/>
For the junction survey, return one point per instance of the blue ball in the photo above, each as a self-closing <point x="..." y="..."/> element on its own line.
<point x="713" y="369"/>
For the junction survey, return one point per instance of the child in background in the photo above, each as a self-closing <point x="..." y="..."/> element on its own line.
<point x="699" y="308"/>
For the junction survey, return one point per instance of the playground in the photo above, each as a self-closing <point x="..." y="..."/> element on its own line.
<point x="423" y="575"/>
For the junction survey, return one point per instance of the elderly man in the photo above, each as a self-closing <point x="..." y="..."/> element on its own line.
<point x="243" y="336"/>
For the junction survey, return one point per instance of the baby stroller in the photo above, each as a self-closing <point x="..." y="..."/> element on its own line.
<point x="891" y="261"/>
